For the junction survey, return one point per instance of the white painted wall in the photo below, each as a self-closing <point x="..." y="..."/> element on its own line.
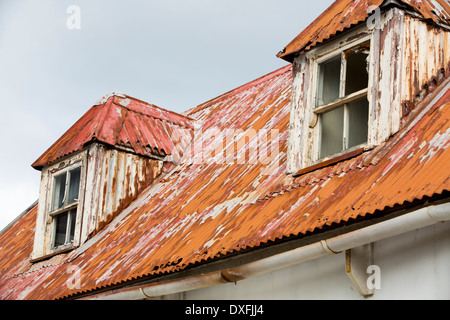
<point x="415" y="265"/>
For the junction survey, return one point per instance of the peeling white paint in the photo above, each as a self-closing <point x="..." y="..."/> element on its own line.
<point x="440" y="141"/>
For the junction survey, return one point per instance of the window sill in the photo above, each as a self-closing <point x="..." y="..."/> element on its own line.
<point x="328" y="162"/>
<point x="54" y="252"/>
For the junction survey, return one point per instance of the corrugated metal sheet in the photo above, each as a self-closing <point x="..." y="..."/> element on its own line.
<point x="343" y="14"/>
<point x="123" y="121"/>
<point x="204" y="210"/>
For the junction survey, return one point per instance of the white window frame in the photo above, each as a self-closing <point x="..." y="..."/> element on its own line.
<point x="317" y="57"/>
<point x="45" y="222"/>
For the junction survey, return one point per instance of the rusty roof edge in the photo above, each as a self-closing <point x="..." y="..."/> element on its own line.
<point x="181" y="115"/>
<point x="258" y="81"/>
<point x="375" y="155"/>
<point x="414" y="12"/>
<point x="39" y="165"/>
<point x="106" y="97"/>
<point x="385" y="5"/>
<point x="112" y="100"/>
<point x="268" y="248"/>
<point x="431" y="100"/>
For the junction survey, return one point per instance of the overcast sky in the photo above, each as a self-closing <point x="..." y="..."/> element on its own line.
<point x="175" y="54"/>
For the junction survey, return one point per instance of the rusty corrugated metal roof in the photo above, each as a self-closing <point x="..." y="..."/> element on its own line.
<point x="343" y="14"/>
<point x="215" y="209"/>
<point x="120" y="120"/>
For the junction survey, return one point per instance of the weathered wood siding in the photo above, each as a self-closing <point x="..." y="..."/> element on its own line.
<point x="114" y="179"/>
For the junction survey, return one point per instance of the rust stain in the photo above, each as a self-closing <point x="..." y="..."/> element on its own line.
<point x="203" y="209"/>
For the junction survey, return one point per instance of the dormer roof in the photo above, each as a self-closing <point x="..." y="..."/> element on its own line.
<point x="127" y="123"/>
<point x="343" y="14"/>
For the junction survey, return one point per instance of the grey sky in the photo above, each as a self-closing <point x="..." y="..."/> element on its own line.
<point x="175" y="54"/>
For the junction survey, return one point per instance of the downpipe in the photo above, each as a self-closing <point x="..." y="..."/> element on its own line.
<point x="408" y="222"/>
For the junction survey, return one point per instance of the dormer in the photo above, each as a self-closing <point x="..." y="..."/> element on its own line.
<point x="119" y="147"/>
<point x="358" y="71"/>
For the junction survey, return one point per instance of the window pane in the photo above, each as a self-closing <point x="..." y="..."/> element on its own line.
<point x="74" y="185"/>
<point x="60" y="229"/>
<point x="329" y="81"/>
<point x="357" y="77"/>
<point x="332" y="132"/>
<point x="59" y="189"/>
<point x="73" y="217"/>
<point x="358" y="117"/>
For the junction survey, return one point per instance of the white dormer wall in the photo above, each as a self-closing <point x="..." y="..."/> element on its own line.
<point x="405" y="54"/>
<point x="110" y="179"/>
<point x="113" y="180"/>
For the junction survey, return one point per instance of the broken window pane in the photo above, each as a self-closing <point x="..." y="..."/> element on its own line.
<point x="59" y="190"/>
<point x="329" y="81"/>
<point x="60" y="229"/>
<point x="358" y="116"/>
<point x="357" y="77"/>
<point x="332" y="124"/>
<point x="74" y="185"/>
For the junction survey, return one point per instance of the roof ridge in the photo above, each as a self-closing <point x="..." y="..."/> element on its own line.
<point x="435" y="94"/>
<point x="258" y="81"/>
<point x="343" y="14"/>
<point x="373" y="156"/>
<point x="115" y="94"/>
<point x="98" y="131"/>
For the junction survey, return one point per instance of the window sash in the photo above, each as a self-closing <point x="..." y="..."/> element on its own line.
<point x="64" y="205"/>
<point x="64" y="227"/>
<point x="343" y="101"/>
<point x="343" y="55"/>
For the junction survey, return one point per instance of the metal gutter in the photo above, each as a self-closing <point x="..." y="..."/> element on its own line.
<point x="408" y="222"/>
